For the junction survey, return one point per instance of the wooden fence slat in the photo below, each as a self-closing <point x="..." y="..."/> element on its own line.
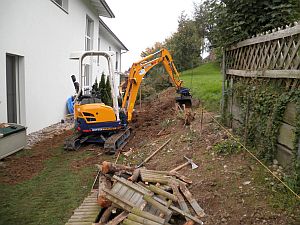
<point x="268" y="37"/>
<point x="266" y="73"/>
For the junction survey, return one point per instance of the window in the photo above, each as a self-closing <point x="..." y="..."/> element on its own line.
<point x="63" y="4"/>
<point x="15" y="89"/>
<point x="89" y="34"/>
<point x="117" y="60"/>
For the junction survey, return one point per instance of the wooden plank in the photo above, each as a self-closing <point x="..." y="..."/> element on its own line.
<point x="292" y="55"/>
<point x="284" y="156"/>
<point x="142" y="220"/>
<point x="290" y="114"/>
<point x="129" y="194"/>
<point x="161" y="192"/>
<point x="106" y="215"/>
<point x="86" y="210"/>
<point x="199" y="211"/>
<point x="116" y="187"/>
<point x="286" y="135"/>
<point x="136" y="197"/>
<point x="271" y="55"/>
<point x="123" y="190"/>
<point x="118" y="219"/>
<point x="79" y="223"/>
<point x="154" y="153"/>
<point x="265" y="73"/>
<point x="277" y="56"/>
<point x="181" y="201"/>
<point x="145" y="171"/>
<point x="147" y="215"/>
<point x="118" y="200"/>
<point x="132" y="185"/>
<point x="179" y="211"/>
<point x="268" y="37"/>
<point x="130" y="222"/>
<point x="285" y="53"/>
<point x="157" y="205"/>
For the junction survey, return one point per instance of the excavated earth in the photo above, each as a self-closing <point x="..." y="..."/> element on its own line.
<point x="225" y="186"/>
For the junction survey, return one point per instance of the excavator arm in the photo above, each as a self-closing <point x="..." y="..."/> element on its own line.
<point x="140" y="69"/>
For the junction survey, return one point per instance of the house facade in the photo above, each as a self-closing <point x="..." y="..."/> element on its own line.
<point x="36" y="39"/>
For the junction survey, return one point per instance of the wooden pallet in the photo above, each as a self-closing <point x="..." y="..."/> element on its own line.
<point x="87" y="212"/>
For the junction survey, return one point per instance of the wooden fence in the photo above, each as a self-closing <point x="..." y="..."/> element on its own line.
<point x="274" y="56"/>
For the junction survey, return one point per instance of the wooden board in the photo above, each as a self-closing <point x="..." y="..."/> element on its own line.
<point x="286" y="135"/>
<point x="290" y="113"/>
<point x="284" y="156"/>
<point x="87" y="212"/>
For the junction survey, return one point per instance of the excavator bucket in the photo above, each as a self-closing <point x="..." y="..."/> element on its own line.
<point x="184" y="100"/>
<point x="185" y="97"/>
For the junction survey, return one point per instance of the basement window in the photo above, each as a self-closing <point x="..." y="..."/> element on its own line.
<point x="63" y="4"/>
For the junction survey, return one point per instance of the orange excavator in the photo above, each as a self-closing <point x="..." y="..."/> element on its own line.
<point x="96" y="122"/>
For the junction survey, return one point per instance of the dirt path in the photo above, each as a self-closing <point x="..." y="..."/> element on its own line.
<point x="228" y="188"/>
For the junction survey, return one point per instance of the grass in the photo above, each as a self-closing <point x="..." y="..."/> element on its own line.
<point x="51" y="196"/>
<point x="205" y="83"/>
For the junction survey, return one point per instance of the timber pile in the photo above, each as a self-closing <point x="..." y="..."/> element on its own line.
<point x="140" y="196"/>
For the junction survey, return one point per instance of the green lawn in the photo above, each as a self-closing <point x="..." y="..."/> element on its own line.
<point x="49" y="197"/>
<point x="205" y="83"/>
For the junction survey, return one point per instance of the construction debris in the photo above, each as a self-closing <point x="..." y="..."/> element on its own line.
<point x="189" y="161"/>
<point x="154" y="153"/>
<point x="140" y="196"/>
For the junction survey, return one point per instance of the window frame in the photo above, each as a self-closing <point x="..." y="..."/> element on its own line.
<point x="64" y="5"/>
<point x="89" y="21"/>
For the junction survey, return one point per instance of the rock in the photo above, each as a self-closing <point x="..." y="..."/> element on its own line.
<point x="246" y="182"/>
<point x="208" y="147"/>
<point x="224" y="220"/>
<point x="275" y="162"/>
<point x="275" y="167"/>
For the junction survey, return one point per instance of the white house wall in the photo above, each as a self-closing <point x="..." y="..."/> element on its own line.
<point x="45" y="35"/>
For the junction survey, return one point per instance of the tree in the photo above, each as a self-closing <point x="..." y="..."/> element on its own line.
<point x="230" y="21"/>
<point x="186" y="44"/>
<point x="102" y="89"/>
<point x="95" y="89"/>
<point x="108" y="92"/>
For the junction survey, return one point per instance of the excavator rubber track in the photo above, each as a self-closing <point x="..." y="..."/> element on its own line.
<point x="117" y="141"/>
<point x="73" y="143"/>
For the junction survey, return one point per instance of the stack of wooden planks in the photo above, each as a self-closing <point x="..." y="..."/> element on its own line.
<point x="140" y="196"/>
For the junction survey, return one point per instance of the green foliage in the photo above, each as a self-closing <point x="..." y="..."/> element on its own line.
<point x="186" y="44"/>
<point x="263" y="104"/>
<point x="205" y="83"/>
<point x="102" y="90"/>
<point x="227" y="147"/>
<point x="95" y="89"/>
<point x="230" y="21"/>
<point x="108" y="92"/>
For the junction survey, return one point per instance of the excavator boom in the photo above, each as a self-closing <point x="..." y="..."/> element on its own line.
<point x="140" y="69"/>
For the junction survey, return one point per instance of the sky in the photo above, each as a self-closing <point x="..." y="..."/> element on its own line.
<point x="140" y="23"/>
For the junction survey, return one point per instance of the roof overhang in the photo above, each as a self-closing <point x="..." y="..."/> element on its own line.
<point x="102" y="8"/>
<point x="123" y="47"/>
